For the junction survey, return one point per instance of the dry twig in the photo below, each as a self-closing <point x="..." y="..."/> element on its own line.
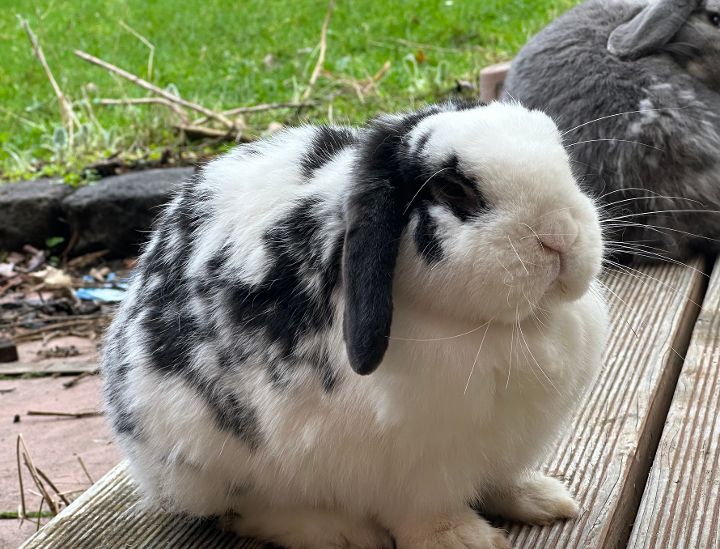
<point x="269" y="107"/>
<point x="323" y="48"/>
<point x="74" y="381"/>
<point x="52" y="485"/>
<point x="84" y="468"/>
<point x="148" y="100"/>
<point x="156" y="90"/>
<point x="75" y="415"/>
<point x="147" y="43"/>
<point x="23" y="450"/>
<point x="67" y="114"/>
<point x="260" y="108"/>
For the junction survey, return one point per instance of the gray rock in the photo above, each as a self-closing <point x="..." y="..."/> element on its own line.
<point x="30" y="212"/>
<point x="115" y="213"/>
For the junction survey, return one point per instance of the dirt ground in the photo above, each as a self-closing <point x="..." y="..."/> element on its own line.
<point x="54" y="443"/>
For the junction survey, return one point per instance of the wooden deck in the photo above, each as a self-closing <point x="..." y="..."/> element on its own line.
<point x="642" y="455"/>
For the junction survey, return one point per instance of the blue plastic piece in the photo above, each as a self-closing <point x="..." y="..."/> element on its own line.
<point x="109" y="295"/>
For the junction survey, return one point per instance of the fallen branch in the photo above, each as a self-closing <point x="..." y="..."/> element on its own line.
<point x="323" y="48"/>
<point x="156" y="90"/>
<point x="75" y="415"/>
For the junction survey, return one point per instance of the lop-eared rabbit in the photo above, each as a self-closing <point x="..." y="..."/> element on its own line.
<point x="344" y="337"/>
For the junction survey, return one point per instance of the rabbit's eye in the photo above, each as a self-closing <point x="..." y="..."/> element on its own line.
<point x="453" y="190"/>
<point x="714" y="18"/>
<point x="460" y="196"/>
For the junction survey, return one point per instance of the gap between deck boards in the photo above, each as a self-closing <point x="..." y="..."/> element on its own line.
<point x="631" y="493"/>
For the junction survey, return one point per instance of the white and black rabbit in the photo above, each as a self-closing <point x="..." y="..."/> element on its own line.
<point x="448" y="252"/>
<point x="652" y="69"/>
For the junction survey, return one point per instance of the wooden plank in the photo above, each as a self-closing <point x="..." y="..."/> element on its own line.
<point x="20" y="368"/>
<point x="607" y="453"/>
<point x="605" y="457"/>
<point x="681" y="503"/>
<point x="108" y="515"/>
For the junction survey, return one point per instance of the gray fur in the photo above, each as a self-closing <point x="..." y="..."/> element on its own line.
<point x="668" y="150"/>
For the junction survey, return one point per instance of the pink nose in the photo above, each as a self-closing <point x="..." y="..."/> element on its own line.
<point x="559" y="238"/>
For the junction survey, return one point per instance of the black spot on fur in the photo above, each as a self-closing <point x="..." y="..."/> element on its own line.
<point x="231" y="414"/>
<point x="426" y="240"/>
<point x="327" y="142"/>
<point x="328" y="378"/>
<point x="283" y="305"/>
<point x="451" y="187"/>
<point x="122" y="421"/>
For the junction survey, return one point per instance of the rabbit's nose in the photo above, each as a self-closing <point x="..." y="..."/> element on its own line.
<point x="559" y="235"/>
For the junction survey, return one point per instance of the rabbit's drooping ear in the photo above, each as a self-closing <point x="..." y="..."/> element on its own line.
<point x="372" y="240"/>
<point x="650" y="29"/>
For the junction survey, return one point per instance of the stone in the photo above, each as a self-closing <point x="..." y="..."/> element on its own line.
<point x="30" y="212"/>
<point x="115" y="213"/>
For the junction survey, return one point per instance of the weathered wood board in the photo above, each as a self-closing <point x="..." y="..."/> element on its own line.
<point x="606" y="455"/>
<point x="681" y="503"/>
<point x="107" y="515"/>
<point x="20" y="368"/>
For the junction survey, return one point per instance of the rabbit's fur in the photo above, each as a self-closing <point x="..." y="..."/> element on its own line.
<point x="448" y="253"/>
<point x="612" y="58"/>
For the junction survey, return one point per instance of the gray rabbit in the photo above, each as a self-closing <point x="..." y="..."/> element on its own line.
<point x="636" y="87"/>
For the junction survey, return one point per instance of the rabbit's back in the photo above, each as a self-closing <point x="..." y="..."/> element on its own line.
<point x="235" y="286"/>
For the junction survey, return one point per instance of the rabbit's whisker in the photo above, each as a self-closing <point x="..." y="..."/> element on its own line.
<point x="456" y="336"/>
<point x="657" y="212"/>
<point x="522" y="335"/>
<point x="423" y="186"/>
<point x="518" y="255"/>
<point x="615" y="140"/>
<point x="607" y="289"/>
<point x="658" y="228"/>
<point x="512" y="339"/>
<point x="477" y="355"/>
<point x="655" y="255"/>
<point x="643" y="278"/>
<point x="564" y="133"/>
<point x="655" y="197"/>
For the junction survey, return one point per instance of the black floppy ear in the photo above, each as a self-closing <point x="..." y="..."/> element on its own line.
<point x="650" y="29"/>
<point x="372" y="239"/>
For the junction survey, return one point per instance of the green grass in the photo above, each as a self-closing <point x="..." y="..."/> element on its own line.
<point x="214" y="52"/>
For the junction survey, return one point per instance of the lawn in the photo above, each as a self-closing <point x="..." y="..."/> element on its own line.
<point x="225" y="54"/>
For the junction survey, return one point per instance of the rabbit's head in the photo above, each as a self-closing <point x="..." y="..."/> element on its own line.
<point x="689" y="30"/>
<point x="469" y="213"/>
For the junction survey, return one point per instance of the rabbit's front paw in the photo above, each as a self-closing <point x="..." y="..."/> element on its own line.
<point x="536" y="499"/>
<point x="464" y="531"/>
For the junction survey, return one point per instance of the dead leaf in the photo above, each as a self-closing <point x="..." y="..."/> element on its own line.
<point x="7" y="270"/>
<point x="53" y="278"/>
